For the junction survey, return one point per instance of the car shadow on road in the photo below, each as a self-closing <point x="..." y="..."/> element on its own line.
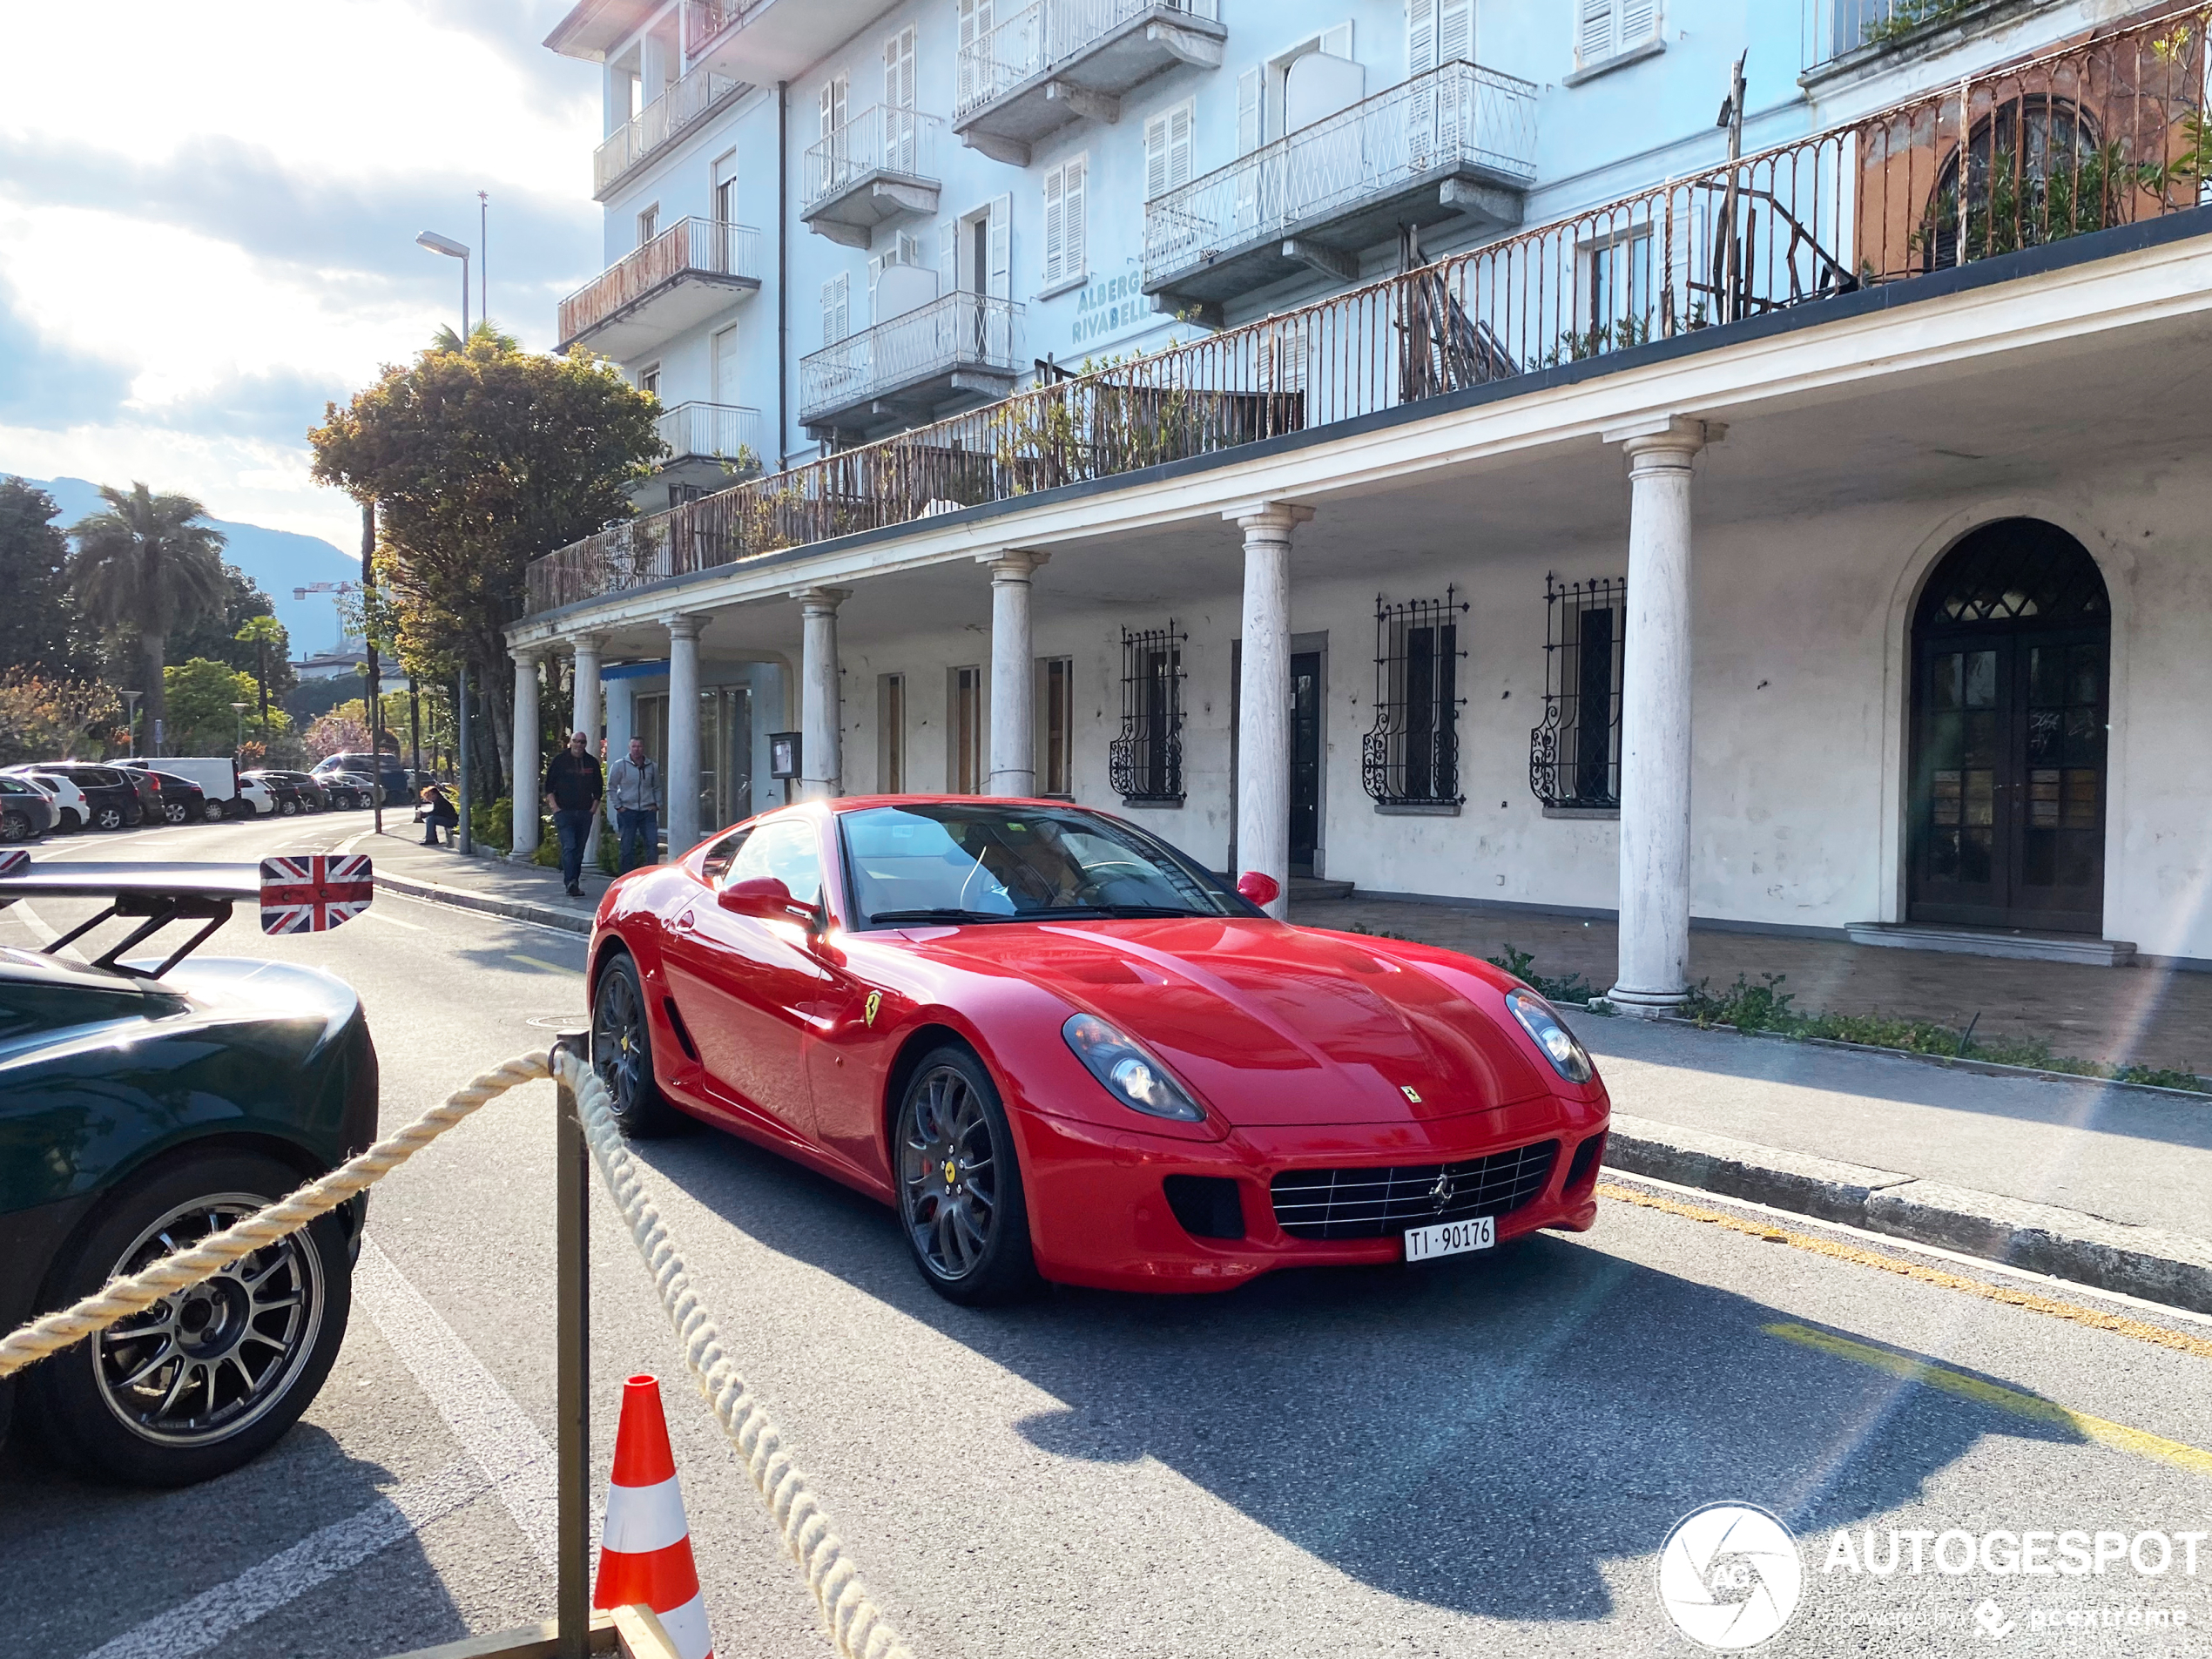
<point x="1487" y="1436"/>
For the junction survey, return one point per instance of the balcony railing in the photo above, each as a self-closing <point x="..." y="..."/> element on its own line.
<point x="908" y="352"/>
<point x="664" y="118"/>
<point x="1835" y="29"/>
<point x="1457" y="117"/>
<point x="704" y="19"/>
<point x="881" y="139"/>
<point x="1038" y="37"/>
<point x="711" y="432"/>
<point x="2105" y="134"/>
<point x="704" y="248"/>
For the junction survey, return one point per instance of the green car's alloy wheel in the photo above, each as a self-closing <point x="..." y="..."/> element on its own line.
<point x="960" y="1186"/>
<point x="622" y="1052"/>
<point x="206" y="1379"/>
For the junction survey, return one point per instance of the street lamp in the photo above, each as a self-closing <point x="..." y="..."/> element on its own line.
<point x="452" y="249"/>
<point x="131" y="719"/>
<point x="241" y="708"/>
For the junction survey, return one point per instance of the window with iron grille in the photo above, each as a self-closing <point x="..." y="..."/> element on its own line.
<point x="1412" y="757"/>
<point x="1146" y="759"/>
<point x="1574" y="756"/>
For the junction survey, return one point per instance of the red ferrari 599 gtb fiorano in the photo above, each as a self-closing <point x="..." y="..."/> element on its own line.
<point x="1064" y="1050"/>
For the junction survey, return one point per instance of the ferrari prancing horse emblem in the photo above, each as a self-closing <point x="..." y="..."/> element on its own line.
<point x="875" y="1002"/>
<point x="1410" y="1092"/>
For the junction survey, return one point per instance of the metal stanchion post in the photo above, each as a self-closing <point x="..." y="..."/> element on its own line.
<point x="572" y="1387"/>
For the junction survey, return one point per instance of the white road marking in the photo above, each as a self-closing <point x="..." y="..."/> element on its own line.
<point x="212" y="1618"/>
<point x="506" y="1445"/>
<point x="349" y="844"/>
<point x="374" y="914"/>
<point x="44" y="931"/>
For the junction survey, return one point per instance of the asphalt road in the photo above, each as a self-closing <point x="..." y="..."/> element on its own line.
<point x="1479" y="1455"/>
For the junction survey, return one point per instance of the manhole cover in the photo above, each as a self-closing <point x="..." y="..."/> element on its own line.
<point x="575" y="1022"/>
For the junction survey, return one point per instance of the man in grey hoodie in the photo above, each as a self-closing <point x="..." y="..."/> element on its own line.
<point x="633" y="790"/>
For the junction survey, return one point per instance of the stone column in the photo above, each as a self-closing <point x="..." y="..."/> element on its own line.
<point x="585" y="709"/>
<point x="821" y="764"/>
<point x="1655" y="715"/>
<point x="1263" y="696"/>
<point x="680" y="771"/>
<point x="1014" y="709"/>
<point x="526" y="802"/>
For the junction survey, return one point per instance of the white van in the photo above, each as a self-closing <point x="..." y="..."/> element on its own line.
<point x="217" y="776"/>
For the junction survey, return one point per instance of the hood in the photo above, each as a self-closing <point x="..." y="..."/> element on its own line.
<point x="1278" y="1025"/>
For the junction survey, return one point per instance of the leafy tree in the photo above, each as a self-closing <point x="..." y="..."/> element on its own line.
<point x="143" y="567"/>
<point x="201" y="720"/>
<point x="47" y="720"/>
<point x="337" y="734"/>
<point x="217" y="634"/>
<point x="37" y="624"/>
<point x="478" y="460"/>
<point x="266" y="637"/>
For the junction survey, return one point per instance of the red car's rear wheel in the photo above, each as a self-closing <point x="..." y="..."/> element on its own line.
<point x="960" y="1186"/>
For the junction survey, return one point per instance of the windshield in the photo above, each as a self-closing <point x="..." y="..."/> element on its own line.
<point x="963" y="861"/>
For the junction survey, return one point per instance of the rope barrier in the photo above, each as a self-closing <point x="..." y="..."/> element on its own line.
<point x="858" y="1627"/>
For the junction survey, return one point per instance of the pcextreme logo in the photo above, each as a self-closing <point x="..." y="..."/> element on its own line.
<point x="1730" y="1576"/>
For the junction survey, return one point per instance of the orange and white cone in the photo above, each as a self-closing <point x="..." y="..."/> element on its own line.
<point x="645" y="1553"/>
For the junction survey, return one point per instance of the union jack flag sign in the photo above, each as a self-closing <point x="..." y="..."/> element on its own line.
<point x="14" y="862"/>
<point x="310" y="894"/>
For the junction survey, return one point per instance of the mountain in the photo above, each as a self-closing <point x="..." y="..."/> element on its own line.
<point x="278" y="561"/>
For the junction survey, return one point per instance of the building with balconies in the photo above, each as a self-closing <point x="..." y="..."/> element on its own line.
<point x="1423" y="450"/>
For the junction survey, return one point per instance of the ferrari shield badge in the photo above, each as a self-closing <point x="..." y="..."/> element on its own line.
<point x="875" y="1001"/>
<point x="1410" y="1092"/>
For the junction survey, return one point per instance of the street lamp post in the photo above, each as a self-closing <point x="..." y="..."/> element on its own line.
<point x="452" y="249"/>
<point x="241" y="708"/>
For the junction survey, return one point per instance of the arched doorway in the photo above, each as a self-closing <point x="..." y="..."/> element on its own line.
<point x="2011" y="648"/>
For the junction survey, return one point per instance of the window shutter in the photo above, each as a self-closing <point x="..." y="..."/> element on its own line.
<point x="1639" y="21"/>
<point x="1055" y="243"/>
<point x="1455" y="30"/>
<point x="1156" y="157"/>
<point x="836" y="303"/>
<point x="949" y="256"/>
<point x="1420" y="36"/>
<point x="1073" y="254"/>
<point x="1336" y="42"/>
<point x="1181" y="121"/>
<point x="975" y="23"/>
<point x="1248" y="90"/>
<point x="1594" y="39"/>
<point x="1001" y="242"/>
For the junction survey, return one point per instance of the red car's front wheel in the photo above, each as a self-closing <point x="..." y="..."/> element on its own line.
<point x="960" y="1186"/>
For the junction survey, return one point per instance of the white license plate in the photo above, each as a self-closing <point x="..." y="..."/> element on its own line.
<point x="1451" y="1238"/>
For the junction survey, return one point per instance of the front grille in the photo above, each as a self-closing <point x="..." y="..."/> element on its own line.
<point x="1370" y="1204"/>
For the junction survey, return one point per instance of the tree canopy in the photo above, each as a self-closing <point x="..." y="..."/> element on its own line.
<point x="201" y="719"/>
<point x="224" y="633"/>
<point x="38" y="628"/>
<point x="145" y="566"/>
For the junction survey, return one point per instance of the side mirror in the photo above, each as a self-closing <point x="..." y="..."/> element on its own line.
<point x="763" y="896"/>
<point x="1262" y="890"/>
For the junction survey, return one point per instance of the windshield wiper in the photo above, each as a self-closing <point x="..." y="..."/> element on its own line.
<point x="947" y="914"/>
<point x="1113" y="912"/>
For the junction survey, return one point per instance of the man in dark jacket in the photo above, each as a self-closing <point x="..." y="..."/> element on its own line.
<point x="573" y="791"/>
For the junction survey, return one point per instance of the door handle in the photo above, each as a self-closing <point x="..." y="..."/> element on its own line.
<point x="683" y="923"/>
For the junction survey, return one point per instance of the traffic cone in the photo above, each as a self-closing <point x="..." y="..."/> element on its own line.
<point x="645" y="1553"/>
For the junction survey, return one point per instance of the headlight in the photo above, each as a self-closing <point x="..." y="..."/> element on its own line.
<point x="1568" y="1057"/>
<point x="1131" y="1075"/>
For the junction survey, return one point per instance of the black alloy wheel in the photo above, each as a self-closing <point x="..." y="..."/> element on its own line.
<point x="622" y="1052"/>
<point x="960" y="1200"/>
<point x="15" y="825"/>
<point x="210" y="1377"/>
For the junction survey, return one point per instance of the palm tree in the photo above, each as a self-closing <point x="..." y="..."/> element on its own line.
<point x="142" y="566"/>
<point x="484" y="333"/>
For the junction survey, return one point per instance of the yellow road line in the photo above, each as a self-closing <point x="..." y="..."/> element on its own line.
<point x="2034" y="1408"/>
<point x="539" y="961"/>
<point x="2095" y="1318"/>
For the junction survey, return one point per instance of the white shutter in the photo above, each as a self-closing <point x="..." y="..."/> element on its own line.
<point x="1594" y="39"/>
<point x="1182" y="124"/>
<point x="1055" y="243"/>
<point x="1249" y="86"/>
<point x="1639" y="21"/>
<point x="726" y="365"/>
<point x="837" y="298"/>
<point x="1156" y="157"/>
<point x="1420" y="36"/>
<point x="949" y="256"/>
<point x="1073" y="254"/>
<point x="1336" y="42"/>
<point x="1455" y="30"/>
<point x="1001" y="247"/>
<point x="975" y="23"/>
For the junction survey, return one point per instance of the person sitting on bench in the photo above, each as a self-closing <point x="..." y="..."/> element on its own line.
<point x="436" y="813"/>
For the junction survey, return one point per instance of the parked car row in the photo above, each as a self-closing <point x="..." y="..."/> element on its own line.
<point x="61" y="797"/>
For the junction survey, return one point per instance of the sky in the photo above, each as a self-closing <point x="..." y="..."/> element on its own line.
<point x="207" y="221"/>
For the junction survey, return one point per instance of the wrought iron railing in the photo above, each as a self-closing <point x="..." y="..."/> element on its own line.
<point x="880" y="138"/>
<point x="1411" y="757"/>
<point x="1039" y="35"/>
<point x="1574" y="752"/>
<point x="954" y="331"/>
<point x="708" y="246"/>
<point x="1835" y="28"/>
<point x="705" y="19"/>
<point x="1457" y="115"/>
<point x="711" y="432"/>
<point x="663" y="119"/>
<point x="2105" y="132"/>
<point x="1144" y="762"/>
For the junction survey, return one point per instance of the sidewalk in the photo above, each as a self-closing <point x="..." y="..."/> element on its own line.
<point x="481" y="881"/>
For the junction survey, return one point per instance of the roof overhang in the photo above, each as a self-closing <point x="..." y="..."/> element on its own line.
<point x="594" y="28"/>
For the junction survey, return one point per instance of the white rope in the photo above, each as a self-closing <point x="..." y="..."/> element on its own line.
<point x="119" y="1299"/>
<point x="856" y="1626"/>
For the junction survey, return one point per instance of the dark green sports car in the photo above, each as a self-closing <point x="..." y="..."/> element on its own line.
<point x="145" y="1105"/>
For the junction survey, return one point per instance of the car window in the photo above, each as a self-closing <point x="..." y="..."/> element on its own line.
<point x="716" y="859"/>
<point x="788" y="849"/>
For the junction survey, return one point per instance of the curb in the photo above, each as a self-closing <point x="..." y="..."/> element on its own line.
<point x="545" y="915"/>
<point x="2147" y="1262"/>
